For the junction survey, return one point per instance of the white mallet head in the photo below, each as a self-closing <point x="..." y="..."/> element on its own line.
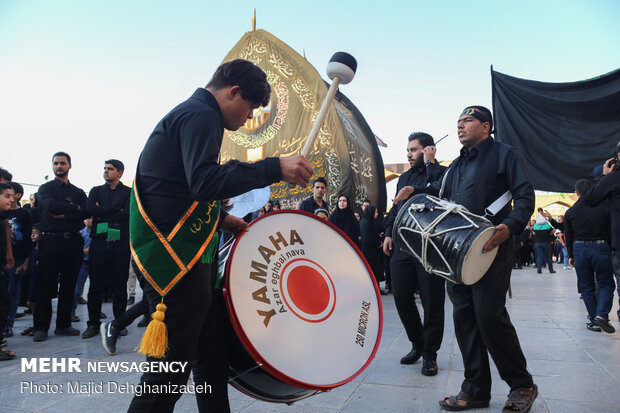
<point x="343" y="66"/>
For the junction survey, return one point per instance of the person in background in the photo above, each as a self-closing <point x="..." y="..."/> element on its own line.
<point x="83" y="274"/>
<point x="20" y="223"/>
<point x="543" y="237"/>
<point x="33" y="274"/>
<point x="345" y="220"/>
<point x="317" y="200"/>
<point x="607" y="189"/>
<point x="60" y="252"/>
<point x="321" y="213"/>
<point x="6" y="200"/>
<point x="371" y="232"/>
<point x="587" y="236"/>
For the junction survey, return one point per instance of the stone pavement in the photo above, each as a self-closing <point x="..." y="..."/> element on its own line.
<point x="576" y="370"/>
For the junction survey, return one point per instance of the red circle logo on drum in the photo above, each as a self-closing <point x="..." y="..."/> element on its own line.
<point x="308" y="291"/>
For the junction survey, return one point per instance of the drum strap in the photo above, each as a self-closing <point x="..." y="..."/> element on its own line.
<point x="498" y="204"/>
<point x="165" y="260"/>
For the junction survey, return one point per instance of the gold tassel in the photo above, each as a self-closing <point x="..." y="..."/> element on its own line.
<point x="155" y="339"/>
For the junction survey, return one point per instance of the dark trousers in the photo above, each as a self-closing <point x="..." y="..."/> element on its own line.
<point x="59" y="264"/>
<point x="5" y="299"/>
<point x="107" y="262"/>
<point x="543" y="255"/>
<point x="198" y="328"/>
<point x="407" y="277"/>
<point x="482" y="323"/>
<point x="139" y="309"/>
<point x="593" y="258"/>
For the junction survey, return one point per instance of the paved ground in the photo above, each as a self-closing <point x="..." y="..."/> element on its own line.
<point x="576" y="370"/>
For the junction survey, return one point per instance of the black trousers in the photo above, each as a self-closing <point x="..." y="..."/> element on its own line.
<point x="60" y="260"/>
<point x="139" y="309"/>
<point x="482" y="323"/>
<point x="198" y="330"/>
<point x="5" y="299"/>
<point x="407" y="277"/>
<point x="107" y="262"/>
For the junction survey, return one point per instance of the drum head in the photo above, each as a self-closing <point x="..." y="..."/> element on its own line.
<point x="476" y="263"/>
<point x="303" y="301"/>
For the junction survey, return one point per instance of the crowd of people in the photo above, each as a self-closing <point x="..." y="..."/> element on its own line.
<point x="51" y="246"/>
<point x="55" y="243"/>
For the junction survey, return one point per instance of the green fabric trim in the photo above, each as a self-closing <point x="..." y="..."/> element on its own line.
<point x="156" y="255"/>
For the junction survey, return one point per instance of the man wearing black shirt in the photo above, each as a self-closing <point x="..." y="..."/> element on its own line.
<point x="482" y="173"/>
<point x="20" y="223"/>
<point x="317" y="200"/>
<point x="178" y="166"/>
<point x="607" y="189"/>
<point x="63" y="209"/>
<point x="109" y="249"/>
<point x="408" y="275"/>
<point x="587" y="239"/>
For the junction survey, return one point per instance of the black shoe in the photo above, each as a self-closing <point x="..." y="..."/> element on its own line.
<point x="91" y="331"/>
<point x="82" y="301"/>
<point x="552" y="272"/>
<point x="144" y="322"/>
<point x="539" y="271"/>
<point x="109" y="336"/>
<point x="19" y="315"/>
<point x="8" y="332"/>
<point x="131" y="300"/>
<point x="411" y="357"/>
<point x="67" y="331"/>
<point x="593" y="327"/>
<point x="3" y="343"/>
<point x="604" y="324"/>
<point x="39" y="335"/>
<point x="75" y="319"/>
<point x="429" y="368"/>
<point x="102" y="315"/>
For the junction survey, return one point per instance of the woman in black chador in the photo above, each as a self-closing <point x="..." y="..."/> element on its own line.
<point x="371" y="231"/>
<point x="344" y="218"/>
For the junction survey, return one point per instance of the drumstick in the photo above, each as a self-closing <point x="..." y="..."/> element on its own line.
<point x="341" y="69"/>
<point x="441" y="140"/>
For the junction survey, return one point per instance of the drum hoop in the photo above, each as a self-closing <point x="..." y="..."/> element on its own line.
<point x="247" y="344"/>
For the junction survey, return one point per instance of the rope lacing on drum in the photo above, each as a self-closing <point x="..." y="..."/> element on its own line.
<point x="427" y="232"/>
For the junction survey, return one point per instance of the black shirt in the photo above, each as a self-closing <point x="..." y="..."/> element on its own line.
<point x="2" y="241"/>
<point x="57" y="198"/>
<point x="310" y="205"/>
<point x="420" y="180"/>
<point x="20" y="222"/>
<point x="585" y="223"/>
<point x="480" y="176"/>
<point x="113" y="208"/>
<point x="608" y="189"/>
<point x="180" y="163"/>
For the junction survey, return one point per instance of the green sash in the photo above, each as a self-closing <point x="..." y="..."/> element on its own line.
<point x="164" y="260"/>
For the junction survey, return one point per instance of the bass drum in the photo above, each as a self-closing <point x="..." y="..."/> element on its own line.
<point x="303" y="304"/>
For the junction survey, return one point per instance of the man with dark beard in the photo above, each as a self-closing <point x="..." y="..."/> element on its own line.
<point x="407" y="274"/>
<point x="60" y="251"/>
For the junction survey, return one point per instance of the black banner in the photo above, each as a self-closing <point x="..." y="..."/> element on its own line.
<point x="562" y="130"/>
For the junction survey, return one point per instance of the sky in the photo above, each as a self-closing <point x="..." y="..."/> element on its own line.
<point x="94" y="78"/>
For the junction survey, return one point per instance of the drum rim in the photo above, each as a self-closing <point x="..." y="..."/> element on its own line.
<point x="256" y="356"/>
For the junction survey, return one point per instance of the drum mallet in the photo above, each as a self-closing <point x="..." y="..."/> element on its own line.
<point x="341" y="69"/>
